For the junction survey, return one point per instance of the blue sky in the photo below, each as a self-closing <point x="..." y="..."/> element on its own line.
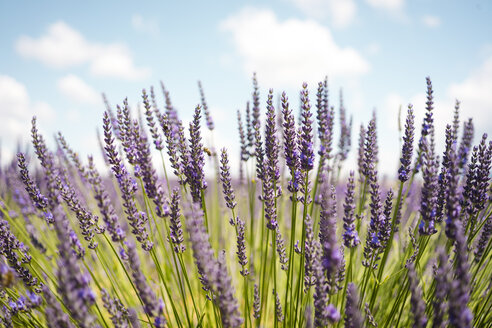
<point x="57" y="57"/>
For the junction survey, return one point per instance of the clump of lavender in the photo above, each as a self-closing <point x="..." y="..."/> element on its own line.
<point x="176" y="231"/>
<point x="407" y="150"/>
<point x="350" y="235"/>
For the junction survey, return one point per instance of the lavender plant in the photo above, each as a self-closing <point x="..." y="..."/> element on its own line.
<point x="214" y="252"/>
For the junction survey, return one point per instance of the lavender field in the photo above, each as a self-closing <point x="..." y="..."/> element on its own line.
<point x="295" y="235"/>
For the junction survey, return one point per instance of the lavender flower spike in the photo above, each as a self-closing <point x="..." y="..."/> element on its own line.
<point x="195" y="174"/>
<point x="323" y="312"/>
<point x="176" y="231"/>
<point x="40" y="201"/>
<point x="208" y="117"/>
<point x="353" y="317"/>
<point x="407" y="149"/>
<point x="241" y="248"/>
<point x="331" y="257"/>
<point x="306" y="137"/>
<point x="290" y="145"/>
<point x="145" y="292"/>
<point x="459" y="292"/>
<point x="416" y="301"/>
<point x="225" y="177"/>
<point x="106" y="208"/>
<point x="227" y="303"/>
<point x="350" y="235"/>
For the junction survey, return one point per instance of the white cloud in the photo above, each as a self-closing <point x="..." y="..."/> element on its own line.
<point x="431" y="21"/>
<point x="145" y="25"/>
<point x="341" y="12"/>
<point x="373" y="49"/>
<point x="76" y="89"/>
<point x="476" y="96"/>
<point x="287" y="52"/>
<point x="16" y="109"/>
<point x="63" y="47"/>
<point x="389" y="5"/>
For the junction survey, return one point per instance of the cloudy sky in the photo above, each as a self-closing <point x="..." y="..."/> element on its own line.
<point x="57" y="57"/>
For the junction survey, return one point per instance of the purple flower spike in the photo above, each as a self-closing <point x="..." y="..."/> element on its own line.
<point x="290" y="145"/>
<point x="306" y="136"/>
<point x="460" y="314"/>
<point x="345" y="133"/>
<point x="353" y="317"/>
<point x="40" y="201"/>
<point x="407" y="150"/>
<point x="176" y="229"/>
<point x="271" y="142"/>
<point x="242" y="138"/>
<point x="350" y="235"/>
<point x="195" y="174"/>
<point x="208" y="117"/>
<point x="154" y="132"/>
<point x="466" y="142"/>
<point x="331" y="258"/>
<point x="225" y="177"/>
<point x="428" y="203"/>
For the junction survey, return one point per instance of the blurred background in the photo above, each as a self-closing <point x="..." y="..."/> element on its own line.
<point x="57" y="57"/>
